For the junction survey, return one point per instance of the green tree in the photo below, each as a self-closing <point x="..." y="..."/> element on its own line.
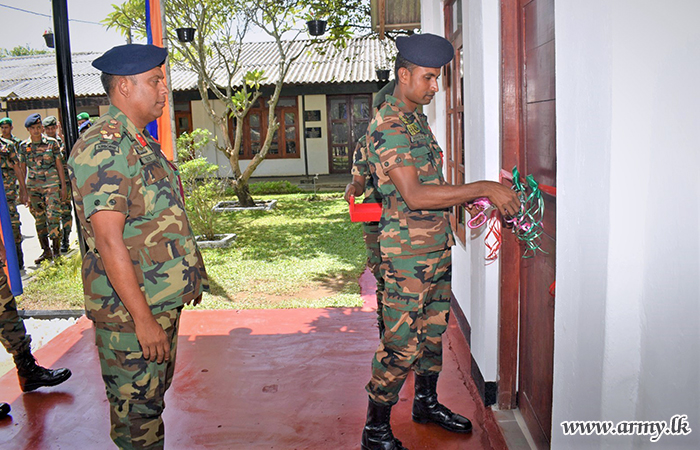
<point x="221" y="27"/>
<point x="22" y="50"/>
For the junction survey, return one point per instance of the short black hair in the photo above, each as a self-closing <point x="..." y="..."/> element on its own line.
<point x="109" y="81"/>
<point x="402" y="62"/>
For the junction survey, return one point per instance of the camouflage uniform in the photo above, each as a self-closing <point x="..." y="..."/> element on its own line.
<point x="43" y="185"/>
<point x="415" y="250"/>
<point x="66" y="210"/>
<point x="13" y="335"/>
<point x="114" y="167"/>
<point x="9" y="157"/>
<point x="360" y="168"/>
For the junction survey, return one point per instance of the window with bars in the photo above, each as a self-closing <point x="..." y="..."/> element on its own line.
<point x="285" y="141"/>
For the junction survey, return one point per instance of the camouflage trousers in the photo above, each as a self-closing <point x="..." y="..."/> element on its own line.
<point x="45" y="206"/>
<point x="11" y="192"/>
<point x="374" y="260"/>
<point x="13" y="335"/>
<point x="135" y="387"/>
<point x="416" y="308"/>
<point x="67" y="210"/>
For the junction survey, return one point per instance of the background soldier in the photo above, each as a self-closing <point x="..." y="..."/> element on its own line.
<point x="15" y="189"/>
<point x="142" y="263"/>
<point x="362" y="183"/>
<point x="415" y="242"/>
<point x="46" y="185"/>
<point x="16" y="341"/>
<point x="6" y="130"/>
<point x="51" y="130"/>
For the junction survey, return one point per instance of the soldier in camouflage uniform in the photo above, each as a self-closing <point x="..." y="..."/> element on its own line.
<point x="362" y="183"/>
<point x="415" y="242"/>
<point x="17" y="342"/>
<point x="46" y="185"/>
<point x="142" y="263"/>
<point x="51" y="130"/>
<point x="15" y="189"/>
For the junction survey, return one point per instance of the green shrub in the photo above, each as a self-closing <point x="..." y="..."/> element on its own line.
<point x="274" y="188"/>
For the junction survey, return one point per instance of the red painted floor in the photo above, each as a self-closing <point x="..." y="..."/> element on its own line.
<point x="255" y="379"/>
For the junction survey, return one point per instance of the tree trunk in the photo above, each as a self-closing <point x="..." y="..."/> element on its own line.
<point x="242" y="190"/>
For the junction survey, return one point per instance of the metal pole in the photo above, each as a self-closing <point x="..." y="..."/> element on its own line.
<point x="64" y="70"/>
<point x="303" y="130"/>
<point x="66" y="92"/>
<point x="171" y="104"/>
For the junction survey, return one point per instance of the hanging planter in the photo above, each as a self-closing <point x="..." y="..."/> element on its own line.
<point x="48" y="37"/>
<point x="383" y="74"/>
<point x="185" y="34"/>
<point x="316" y="27"/>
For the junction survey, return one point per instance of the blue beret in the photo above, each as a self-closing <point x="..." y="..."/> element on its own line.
<point x="50" y="120"/>
<point x="32" y="119"/>
<point x="84" y="126"/>
<point x="130" y="59"/>
<point x="425" y="50"/>
<point x="5" y="120"/>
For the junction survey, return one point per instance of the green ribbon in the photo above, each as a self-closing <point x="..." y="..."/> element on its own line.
<point x="527" y="224"/>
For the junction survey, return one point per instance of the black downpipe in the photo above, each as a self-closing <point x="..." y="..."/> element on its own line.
<point x="64" y="70"/>
<point x="66" y="92"/>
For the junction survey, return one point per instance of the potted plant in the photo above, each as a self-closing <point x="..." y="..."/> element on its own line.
<point x="383" y="68"/>
<point x="315" y="24"/>
<point x="48" y="37"/>
<point x="185" y="34"/>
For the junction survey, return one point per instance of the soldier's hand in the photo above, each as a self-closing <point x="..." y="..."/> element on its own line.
<point x="64" y="194"/>
<point x="154" y="342"/>
<point x="196" y="301"/>
<point x="350" y="191"/>
<point x="504" y="198"/>
<point x="23" y="197"/>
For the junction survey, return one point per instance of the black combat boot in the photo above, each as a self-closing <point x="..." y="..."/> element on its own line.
<point x="32" y="376"/>
<point x="65" y="244"/>
<point x="427" y="409"/>
<point x="47" y="255"/>
<point x="377" y="433"/>
<point x="4" y="410"/>
<point x="57" y="247"/>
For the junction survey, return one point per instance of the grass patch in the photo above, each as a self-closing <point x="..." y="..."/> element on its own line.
<point x="305" y="253"/>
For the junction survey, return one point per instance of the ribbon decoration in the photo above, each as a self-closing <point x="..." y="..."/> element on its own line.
<point x="527" y="224"/>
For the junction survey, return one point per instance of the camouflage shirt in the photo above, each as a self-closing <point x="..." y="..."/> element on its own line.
<point x="115" y="167"/>
<point x="8" y="159"/>
<point x="360" y="168"/>
<point x="398" y="139"/>
<point x="40" y="158"/>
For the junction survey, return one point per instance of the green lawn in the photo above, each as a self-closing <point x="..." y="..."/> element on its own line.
<point x="301" y="254"/>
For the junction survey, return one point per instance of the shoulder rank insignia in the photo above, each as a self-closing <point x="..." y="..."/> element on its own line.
<point x="411" y="126"/>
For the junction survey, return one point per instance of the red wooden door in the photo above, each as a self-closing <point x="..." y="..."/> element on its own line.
<point x="532" y="146"/>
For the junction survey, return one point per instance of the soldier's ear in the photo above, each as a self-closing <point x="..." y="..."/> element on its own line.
<point x="123" y="86"/>
<point x="404" y="75"/>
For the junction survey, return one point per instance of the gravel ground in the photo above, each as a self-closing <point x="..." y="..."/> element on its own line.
<point x="42" y="331"/>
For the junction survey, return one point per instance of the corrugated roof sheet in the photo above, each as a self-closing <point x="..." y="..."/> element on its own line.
<point x="34" y="77"/>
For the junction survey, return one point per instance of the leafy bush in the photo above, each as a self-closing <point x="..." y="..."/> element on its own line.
<point x="202" y="189"/>
<point x="274" y="188"/>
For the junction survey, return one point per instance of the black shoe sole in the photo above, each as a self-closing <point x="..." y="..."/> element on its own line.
<point x="29" y="387"/>
<point x="426" y="420"/>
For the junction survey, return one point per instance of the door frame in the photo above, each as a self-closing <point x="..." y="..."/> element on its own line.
<point x="511" y="143"/>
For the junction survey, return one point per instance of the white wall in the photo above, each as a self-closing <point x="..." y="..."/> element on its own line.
<point x="318" y="148"/>
<point x="475" y="284"/>
<point x="627" y="319"/>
